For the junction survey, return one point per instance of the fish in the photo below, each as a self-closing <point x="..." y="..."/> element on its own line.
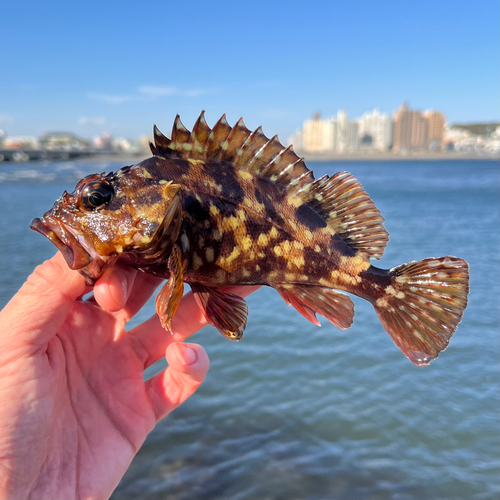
<point x="224" y="206"/>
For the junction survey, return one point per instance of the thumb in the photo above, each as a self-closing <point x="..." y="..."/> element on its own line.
<point x="42" y="304"/>
<point x="188" y="366"/>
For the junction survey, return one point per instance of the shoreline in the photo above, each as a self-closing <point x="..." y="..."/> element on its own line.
<point x="397" y="157"/>
<point x="332" y="157"/>
<point x="372" y="157"/>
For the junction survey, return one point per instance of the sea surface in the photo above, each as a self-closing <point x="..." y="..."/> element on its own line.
<point x="299" y="412"/>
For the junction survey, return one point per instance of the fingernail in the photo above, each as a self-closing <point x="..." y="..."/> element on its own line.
<point x="123" y="287"/>
<point x="186" y="355"/>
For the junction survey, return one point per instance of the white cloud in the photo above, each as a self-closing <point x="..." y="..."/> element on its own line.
<point x="6" y="119"/>
<point x="146" y="92"/>
<point x="194" y="92"/>
<point x="84" y="120"/>
<point x="273" y="113"/>
<point x="157" y="91"/>
<point x="112" y="98"/>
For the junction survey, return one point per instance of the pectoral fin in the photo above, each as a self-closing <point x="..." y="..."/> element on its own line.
<point x="335" y="306"/>
<point x="226" y="311"/>
<point x="169" y="297"/>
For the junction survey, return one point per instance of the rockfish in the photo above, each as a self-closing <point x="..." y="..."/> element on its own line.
<point x="227" y="206"/>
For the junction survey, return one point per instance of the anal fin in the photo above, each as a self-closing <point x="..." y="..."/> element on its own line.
<point x="335" y="306"/>
<point x="226" y="311"/>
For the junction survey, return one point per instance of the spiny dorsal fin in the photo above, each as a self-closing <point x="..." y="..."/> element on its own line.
<point x="340" y="199"/>
<point x="245" y="149"/>
<point x="180" y="135"/>
<point x="260" y="160"/>
<point x="199" y="137"/>
<point x="238" y="136"/>
<point x="250" y="148"/>
<point x="217" y="138"/>
<point x="162" y="143"/>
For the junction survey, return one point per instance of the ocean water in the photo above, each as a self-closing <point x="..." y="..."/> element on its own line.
<point x="297" y="411"/>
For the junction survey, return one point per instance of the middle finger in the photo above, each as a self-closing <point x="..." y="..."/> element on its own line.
<point x="150" y="339"/>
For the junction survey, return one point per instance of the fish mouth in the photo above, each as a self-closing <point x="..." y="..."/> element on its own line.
<point x="74" y="254"/>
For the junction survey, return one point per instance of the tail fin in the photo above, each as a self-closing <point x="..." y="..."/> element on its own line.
<point x="423" y="305"/>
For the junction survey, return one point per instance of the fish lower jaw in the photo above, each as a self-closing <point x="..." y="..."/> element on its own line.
<point x="93" y="271"/>
<point x="89" y="248"/>
<point x="57" y="233"/>
<point x="99" y="263"/>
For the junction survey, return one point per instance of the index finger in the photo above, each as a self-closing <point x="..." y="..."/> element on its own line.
<point x="36" y="313"/>
<point x="123" y="290"/>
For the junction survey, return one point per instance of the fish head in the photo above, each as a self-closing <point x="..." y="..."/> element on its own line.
<point x="109" y="216"/>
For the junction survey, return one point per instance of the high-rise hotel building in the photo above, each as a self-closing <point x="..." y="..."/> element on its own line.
<point x="319" y="136"/>
<point x="408" y="130"/>
<point x="411" y="130"/>
<point x="436" y="121"/>
<point x="375" y="130"/>
<point x="337" y="134"/>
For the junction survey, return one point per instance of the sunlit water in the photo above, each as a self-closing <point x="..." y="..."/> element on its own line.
<point x="297" y="411"/>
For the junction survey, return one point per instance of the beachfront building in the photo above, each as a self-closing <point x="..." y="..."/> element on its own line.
<point x="20" y="142"/>
<point x="411" y="130"/>
<point x="63" y="140"/>
<point x="375" y="131"/>
<point x="436" y="122"/>
<point x="347" y="133"/>
<point x="331" y="135"/>
<point x="319" y="136"/>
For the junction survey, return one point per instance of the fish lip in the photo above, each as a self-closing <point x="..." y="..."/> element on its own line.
<point x="74" y="254"/>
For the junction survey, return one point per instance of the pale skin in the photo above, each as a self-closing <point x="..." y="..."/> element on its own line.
<point x="74" y="406"/>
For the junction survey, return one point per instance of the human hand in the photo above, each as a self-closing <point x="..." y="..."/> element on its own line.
<point x="75" y="408"/>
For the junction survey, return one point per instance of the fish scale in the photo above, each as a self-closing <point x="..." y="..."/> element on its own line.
<point x="228" y="206"/>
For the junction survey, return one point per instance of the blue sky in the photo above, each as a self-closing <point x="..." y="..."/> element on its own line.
<point x="90" y="66"/>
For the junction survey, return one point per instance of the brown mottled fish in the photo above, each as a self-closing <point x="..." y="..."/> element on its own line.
<point x="227" y="206"/>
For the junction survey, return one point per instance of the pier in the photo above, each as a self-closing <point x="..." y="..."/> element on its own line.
<point x="23" y="155"/>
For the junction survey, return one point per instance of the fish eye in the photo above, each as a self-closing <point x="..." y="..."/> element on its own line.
<point x="96" y="195"/>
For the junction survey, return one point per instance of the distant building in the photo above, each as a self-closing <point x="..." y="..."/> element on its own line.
<point x="123" y="145"/>
<point x="493" y="142"/>
<point x="331" y="135"/>
<point x="458" y="139"/>
<point x="319" y="135"/>
<point x="347" y="133"/>
<point x="461" y="139"/>
<point x="436" y="122"/>
<point x="104" y="142"/>
<point x="375" y="131"/>
<point x="411" y="130"/>
<point x="62" y="140"/>
<point x="20" y="142"/>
